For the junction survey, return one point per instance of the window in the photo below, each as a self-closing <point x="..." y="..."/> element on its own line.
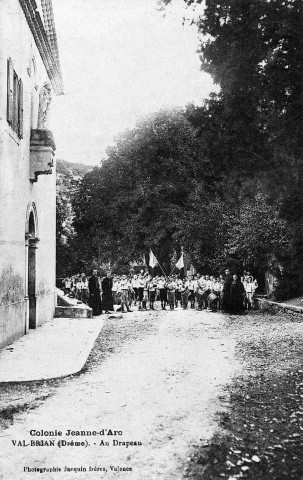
<point x="14" y="99"/>
<point x="15" y="102"/>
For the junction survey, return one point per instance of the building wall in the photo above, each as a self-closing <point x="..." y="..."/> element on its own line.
<point x="17" y="193"/>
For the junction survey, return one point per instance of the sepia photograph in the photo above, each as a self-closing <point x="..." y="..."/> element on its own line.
<point x="151" y="239"/>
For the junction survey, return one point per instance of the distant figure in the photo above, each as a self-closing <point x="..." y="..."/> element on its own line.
<point x="171" y="289"/>
<point x="152" y="287"/>
<point x="185" y="294"/>
<point x="107" y="295"/>
<point x="226" y="291"/>
<point x="250" y="288"/>
<point x="135" y="285"/>
<point x="95" y="294"/>
<point x="125" y="286"/>
<point x="163" y="292"/>
<point x="84" y="288"/>
<point x="67" y="285"/>
<point x="141" y="282"/>
<point x="237" y="296"/>
<point x="212" y="301"/>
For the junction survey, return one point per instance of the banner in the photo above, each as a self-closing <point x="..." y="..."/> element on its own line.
<point x="180" y="262"/>
<point x="152" y="260"/>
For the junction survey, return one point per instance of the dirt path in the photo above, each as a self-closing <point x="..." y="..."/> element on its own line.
<point x="261" y="431"/>
<point x="156" y="377"/>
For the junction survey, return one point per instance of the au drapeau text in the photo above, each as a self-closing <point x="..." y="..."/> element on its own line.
<point x="74" y="443"/>
<point x="89" y="438"/>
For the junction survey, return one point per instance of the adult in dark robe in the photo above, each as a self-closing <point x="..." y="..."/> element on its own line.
<point x="107" y="294"/>
<point x="226" y="291"/>
<point x="95" y="294"/>
<point x="237" y="294"/>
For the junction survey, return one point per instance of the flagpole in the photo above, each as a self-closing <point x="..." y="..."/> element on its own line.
<point x="172" y="270"/>
<point x="162" y="270"/>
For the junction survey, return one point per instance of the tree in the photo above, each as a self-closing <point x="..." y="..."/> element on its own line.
<point x="69" y="176"/>
<point x="163" y="186"/>
<point x="130" y="204"/>
<point x="254" y="50"/>
<point x="224" y="180"/>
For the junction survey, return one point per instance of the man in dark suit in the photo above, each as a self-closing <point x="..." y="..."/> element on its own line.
<point x="226" y="301"/>
<point x="107" y="295"/>
<point x="95" y="294"/>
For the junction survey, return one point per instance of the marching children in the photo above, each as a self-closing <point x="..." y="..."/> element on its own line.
<point x="185" y="293"/>
<point x="141" y="285"/>
<point x="135" y="285"/>
<point x="67" y="285"/>
<point x="250" y="286"/>
<point x="84" y="289"/>
<point x="171" y="290"/>
<point x="125" y="294"/>
<point x="152" y="287"/>
<point x="163" y="292"/>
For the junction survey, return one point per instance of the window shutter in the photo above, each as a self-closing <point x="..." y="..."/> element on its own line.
<point x="10" y="91"/>
<point x="20" y="108"/>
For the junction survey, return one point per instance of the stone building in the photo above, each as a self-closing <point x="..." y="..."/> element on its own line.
<point x="29" y="75"/>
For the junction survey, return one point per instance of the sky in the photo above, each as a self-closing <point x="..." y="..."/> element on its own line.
<point x="120" y="60"/>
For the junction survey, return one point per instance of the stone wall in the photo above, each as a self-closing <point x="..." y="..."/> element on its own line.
<point x="275" y="307"/>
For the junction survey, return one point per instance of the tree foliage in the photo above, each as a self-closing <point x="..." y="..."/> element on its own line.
<point x="69" y="176"/>
<point x="253" y="50"/>
<point x="131" y="203"/>
<point x="224" y="179"/>
<point x="163" y="187"/>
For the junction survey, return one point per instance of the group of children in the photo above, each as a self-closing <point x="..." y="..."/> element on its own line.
<point x="199" y="291"/>
<point x="76" y="286"/>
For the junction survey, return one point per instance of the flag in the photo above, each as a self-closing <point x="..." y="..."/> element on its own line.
<point x="180" y="263"/>
<point x="152" y="260"/>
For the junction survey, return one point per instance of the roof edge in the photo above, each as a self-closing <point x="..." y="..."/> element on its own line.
<point x="48" y="50"/>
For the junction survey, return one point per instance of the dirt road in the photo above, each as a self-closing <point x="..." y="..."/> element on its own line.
<point x="155" y="378"/>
